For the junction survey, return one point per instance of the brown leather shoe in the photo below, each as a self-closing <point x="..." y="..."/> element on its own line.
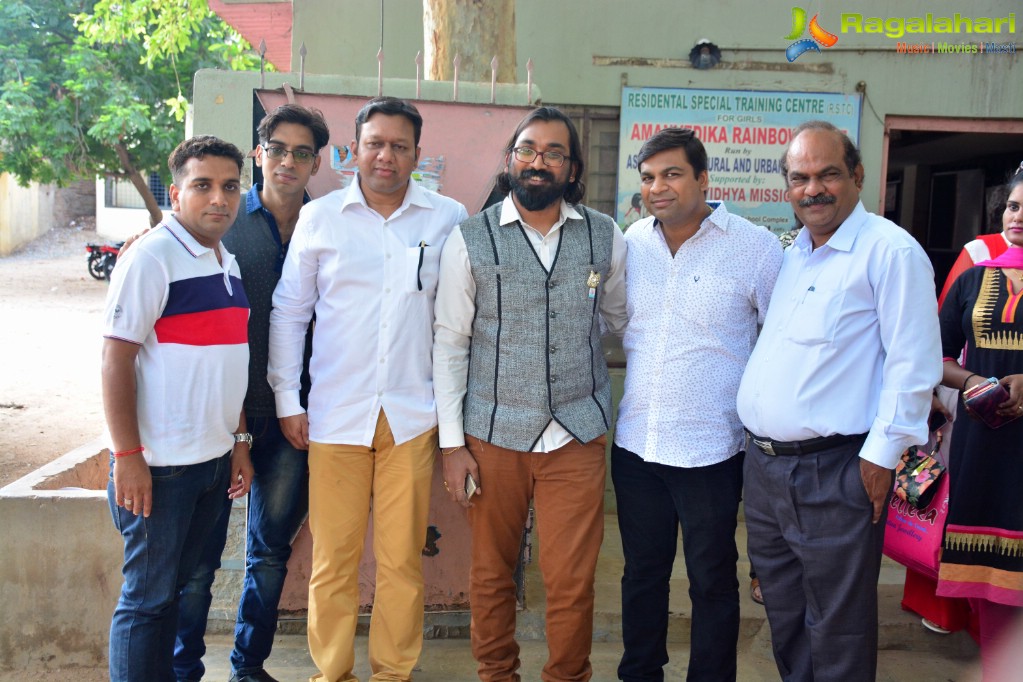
<point x="754" y="591"/>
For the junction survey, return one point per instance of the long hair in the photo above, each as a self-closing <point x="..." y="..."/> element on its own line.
<point x="575" y="190"/>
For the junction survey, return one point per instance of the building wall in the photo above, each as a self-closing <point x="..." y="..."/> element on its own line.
<point x="114" y="223"/>
<point x="584" y="51"/>
<point x="25" y="212"/>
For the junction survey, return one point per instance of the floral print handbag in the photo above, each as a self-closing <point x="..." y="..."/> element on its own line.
<point x="917" y="474"/>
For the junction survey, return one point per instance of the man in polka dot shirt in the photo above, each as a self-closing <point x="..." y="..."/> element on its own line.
<point x="698" y="283"/>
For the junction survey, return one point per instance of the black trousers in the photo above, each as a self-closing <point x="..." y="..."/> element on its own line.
<point x="653" y="501"/>
<point x="818" y="556"/>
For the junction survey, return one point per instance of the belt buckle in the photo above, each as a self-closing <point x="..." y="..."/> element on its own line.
<point x="766" y="446"/>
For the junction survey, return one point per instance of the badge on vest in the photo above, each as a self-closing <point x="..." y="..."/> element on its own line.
<point x="593" y="281"/>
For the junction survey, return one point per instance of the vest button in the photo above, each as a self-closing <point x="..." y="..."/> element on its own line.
<point x="554" y="378"/>
<point x="554" y="349"/>
<point x="553" y="314"/>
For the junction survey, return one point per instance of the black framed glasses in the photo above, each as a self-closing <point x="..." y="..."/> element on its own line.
<point x="552" y="159"/>
<point x="301" y="156"/>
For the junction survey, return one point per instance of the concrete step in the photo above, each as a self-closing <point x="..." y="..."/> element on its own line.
<point x="899" y="630"/>
<point x="450" y="660"/>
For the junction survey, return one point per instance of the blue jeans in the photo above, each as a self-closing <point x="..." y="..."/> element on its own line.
<point x="278" y="504"/>
<point x="159" y="553"/>
<point x="653" y="501"/>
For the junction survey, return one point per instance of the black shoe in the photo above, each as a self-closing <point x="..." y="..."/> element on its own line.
<point x="258" y="676"/>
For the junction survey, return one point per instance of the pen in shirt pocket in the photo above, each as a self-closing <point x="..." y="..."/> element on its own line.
<point x="419" y="269"/>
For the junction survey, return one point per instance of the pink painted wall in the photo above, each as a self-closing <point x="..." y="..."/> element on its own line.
<point x="469" y="137"/>
<point x="471" y="140"/>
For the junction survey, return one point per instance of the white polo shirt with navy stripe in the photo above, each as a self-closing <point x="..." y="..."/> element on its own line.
<point x="189" y="314"/>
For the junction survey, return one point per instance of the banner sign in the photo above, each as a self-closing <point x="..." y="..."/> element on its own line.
<point x="745" y="133"/>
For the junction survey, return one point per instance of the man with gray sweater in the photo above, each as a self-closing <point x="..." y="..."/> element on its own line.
<point x="522" y="289"/>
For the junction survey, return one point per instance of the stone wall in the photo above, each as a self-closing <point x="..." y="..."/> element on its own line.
<point x="73" y="202"/>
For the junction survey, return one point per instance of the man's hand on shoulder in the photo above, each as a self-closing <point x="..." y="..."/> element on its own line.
<point x="296" y="429"/>
<point x="878" y="482"/>
<point x="131" y="240"/>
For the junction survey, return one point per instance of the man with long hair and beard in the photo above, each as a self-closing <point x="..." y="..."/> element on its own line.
<point x="522" y="290"/>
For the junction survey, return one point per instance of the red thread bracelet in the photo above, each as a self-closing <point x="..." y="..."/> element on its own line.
<point x="125" y="453"/>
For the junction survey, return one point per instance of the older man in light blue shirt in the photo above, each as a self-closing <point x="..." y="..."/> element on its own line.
<point x="838" y="386"/>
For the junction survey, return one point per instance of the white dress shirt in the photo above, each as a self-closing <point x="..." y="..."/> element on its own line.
<point x="456" y="307"/>
<point x="371" y="282"/>
<point x="693" y="320"/>
<point x="850" y="344"/>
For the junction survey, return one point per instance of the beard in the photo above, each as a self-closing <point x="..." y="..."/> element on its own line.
<point x="536" y="197"/>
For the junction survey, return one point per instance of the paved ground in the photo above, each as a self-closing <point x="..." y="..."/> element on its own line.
<point x="49" y="404"/>
<point x="909" y="653"/>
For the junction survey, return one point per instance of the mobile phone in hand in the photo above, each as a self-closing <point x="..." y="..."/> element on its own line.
<point x="937" y="420"/>
<point x="470" y="486"/>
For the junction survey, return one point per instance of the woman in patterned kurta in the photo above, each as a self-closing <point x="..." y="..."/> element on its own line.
<point x="982" y="557"/>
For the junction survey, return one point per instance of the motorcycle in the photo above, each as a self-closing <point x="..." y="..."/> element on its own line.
<point x="101" y="259"/>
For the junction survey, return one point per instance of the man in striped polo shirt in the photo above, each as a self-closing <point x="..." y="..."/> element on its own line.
<point x="174" y="373"/>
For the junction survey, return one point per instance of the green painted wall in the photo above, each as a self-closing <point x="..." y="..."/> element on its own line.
<point x="585" y="50"/>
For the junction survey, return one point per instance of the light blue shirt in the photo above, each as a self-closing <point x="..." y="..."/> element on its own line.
<point x="850" y="344"/>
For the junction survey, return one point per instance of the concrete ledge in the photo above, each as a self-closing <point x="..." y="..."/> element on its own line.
<point x="60" y="561"/>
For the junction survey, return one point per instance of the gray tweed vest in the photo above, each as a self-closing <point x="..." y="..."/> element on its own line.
<point x="535" y="353"/>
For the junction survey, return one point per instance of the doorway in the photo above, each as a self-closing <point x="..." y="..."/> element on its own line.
<point x="945" y="180"/>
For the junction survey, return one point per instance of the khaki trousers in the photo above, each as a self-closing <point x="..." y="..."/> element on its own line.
<point x="344" y="482"/>
<point x="567" y="489"/>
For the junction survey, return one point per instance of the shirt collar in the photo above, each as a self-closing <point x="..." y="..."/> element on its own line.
<point x="718" y="218"/>
<point x="252" y="200"/>
<point x="253" y="203"/>
<point x="184" y="237"/>
<point x="510" y="212"/>
<point x="414" y="196"/>
<point x="843" y="238"/>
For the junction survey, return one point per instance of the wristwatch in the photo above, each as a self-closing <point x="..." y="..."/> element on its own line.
<point x="243" y="438"/>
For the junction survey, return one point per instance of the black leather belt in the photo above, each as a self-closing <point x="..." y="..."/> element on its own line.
<point x="802" y="447"/>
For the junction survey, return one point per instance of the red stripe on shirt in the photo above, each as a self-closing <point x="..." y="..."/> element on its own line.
<point x="224" y="326"/>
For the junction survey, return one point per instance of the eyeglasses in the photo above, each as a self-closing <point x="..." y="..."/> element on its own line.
<point x="299" y="155"/>
<point x="552" y="159"/>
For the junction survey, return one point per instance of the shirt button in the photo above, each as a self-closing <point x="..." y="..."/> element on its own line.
<point x="387" y="290"/>
<point x="380" y="393"/>
<point x="383" y="360"/>
<point x="388" y="255"/>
